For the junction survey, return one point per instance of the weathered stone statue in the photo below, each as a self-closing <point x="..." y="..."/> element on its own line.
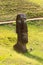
<point x="22" y="33"/>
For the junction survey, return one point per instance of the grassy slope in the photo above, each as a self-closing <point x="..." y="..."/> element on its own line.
<point x="8" y="38"/>
<point x="9" y="8"/>
<point x="40" y="2"/>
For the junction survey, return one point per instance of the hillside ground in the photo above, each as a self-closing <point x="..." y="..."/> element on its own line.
<point x="8" y="38"/>
<point x="10" y="8"/>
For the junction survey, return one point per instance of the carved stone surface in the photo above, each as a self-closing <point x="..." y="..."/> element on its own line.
<point x="22" y="33"/>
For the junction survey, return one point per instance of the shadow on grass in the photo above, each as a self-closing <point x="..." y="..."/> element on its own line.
<point x="34" y="57"/>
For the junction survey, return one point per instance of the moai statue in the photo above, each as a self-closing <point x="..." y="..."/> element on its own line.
<point x="22" y="33"/>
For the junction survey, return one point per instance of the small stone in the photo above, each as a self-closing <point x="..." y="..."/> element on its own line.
<point x="31" y="49"/>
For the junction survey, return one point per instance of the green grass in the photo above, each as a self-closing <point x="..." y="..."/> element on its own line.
<point x="40" y="2"/>
<point x="10" y="8"/>
<point x="8" y="38"/>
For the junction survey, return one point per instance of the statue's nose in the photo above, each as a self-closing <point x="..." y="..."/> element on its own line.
<point x="24" y="19"/>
